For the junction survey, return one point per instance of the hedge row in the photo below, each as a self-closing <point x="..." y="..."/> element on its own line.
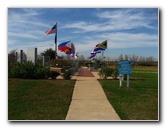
<point x="28" y="70"/>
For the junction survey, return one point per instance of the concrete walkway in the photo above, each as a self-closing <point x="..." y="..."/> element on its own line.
<point x="89" y="101"/>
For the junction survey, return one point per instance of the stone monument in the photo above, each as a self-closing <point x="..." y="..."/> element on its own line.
<point x="32" y="55"/>
<point x="46" y="60"/>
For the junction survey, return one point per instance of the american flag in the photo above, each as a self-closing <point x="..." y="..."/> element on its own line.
<point x="50" y="31"/>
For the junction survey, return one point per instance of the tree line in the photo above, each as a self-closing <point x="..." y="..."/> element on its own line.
<point x="139" y="60"/>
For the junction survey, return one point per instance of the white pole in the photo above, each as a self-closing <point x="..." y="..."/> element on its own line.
<point x="120" y="82"/>
<point x="120" y="79"/>
<point x="127" y="80"/>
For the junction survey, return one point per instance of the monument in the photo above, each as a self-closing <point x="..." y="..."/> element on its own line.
<point x="32" y="55"/>
<point x="46" y="60"/>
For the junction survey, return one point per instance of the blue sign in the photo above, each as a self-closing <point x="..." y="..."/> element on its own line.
<point x="125" y="67"/>
<point x="125" y="71"/>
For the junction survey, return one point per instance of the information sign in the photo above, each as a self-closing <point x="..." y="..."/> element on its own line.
<point x="124" y="67"/>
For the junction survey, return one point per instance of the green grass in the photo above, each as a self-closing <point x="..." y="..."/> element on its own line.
<point x="139" y="101"/>
<point x="146" y="69"/>
<point x="39" y="99"/>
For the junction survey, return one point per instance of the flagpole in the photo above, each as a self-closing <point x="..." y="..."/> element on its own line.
<point x="107" y="53"/>
<point x="56" y="42"/>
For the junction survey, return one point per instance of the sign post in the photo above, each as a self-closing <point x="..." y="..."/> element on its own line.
<point x="127" y="80"/>
<point x="124" y="69"/>
<point x="120" y="79"/>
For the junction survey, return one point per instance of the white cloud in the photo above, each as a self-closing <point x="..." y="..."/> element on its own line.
<point x="119" y="40"/>
<point x="120" y="20"/>
<point x="36" y="44"/>
<point x="23" y="35"/>
<point x="82" y="25"/>
<point x="114" y="20"/>
<point x="24" y="20"/>
<point x="127" y="19"/>
<point x="12" y="42"/>
<point x="129" y="40"/>
<point x="122" y="13"/>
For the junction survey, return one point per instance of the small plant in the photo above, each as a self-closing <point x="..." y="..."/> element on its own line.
<point x="115" y="73"/>
<point x="67" y="75"/>
<point x="105" y="72"/>
<point x="54" y="74"/>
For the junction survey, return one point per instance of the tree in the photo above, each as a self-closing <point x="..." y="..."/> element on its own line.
<point x="134" y="58"/>
<point x="142" y="59"/>
<point x="150" y="59"/>
<point x="49" y="52"/>
<point x="120" y="58"/>
<point x="126" y="57"/>
<point x="11" y="58"/>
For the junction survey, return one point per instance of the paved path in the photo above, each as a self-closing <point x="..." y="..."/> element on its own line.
<point x="89" y="101"/>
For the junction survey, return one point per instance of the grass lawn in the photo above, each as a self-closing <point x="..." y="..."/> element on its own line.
<point x="137" y="102"/>
<point x="39" y="99"/>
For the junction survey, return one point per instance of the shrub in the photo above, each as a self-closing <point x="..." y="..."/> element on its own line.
<point x="53" y="74"/>
<point x="41" y="72"/>
<point x="115" y="73"/>
<point x="67" y="75"/>
<point x="28" y="70"/>
<point x="59" y="63"/>
<point x="104" y="72"/>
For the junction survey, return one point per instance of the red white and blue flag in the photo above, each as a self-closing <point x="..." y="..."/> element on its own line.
<point x="74" y="55"/>
<point x="65" y="46"/>
<point x="93" y="54"/>
<point x="52" y="30"/>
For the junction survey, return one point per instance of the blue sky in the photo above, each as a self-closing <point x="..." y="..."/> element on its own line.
<point x="127" y="30"/>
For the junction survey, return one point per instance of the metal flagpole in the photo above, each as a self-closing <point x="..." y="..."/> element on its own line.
<point x="56" y="42"/>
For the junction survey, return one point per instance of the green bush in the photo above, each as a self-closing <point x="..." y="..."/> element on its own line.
<point x="41" y="72"/>
<point x="59" y="63"/>
<point x="53" y="74"/>
<point x="104" y="72"/>
<point x="67" y="75"/>
<point x="115" y="73"/>
<point x="28" y="70"/>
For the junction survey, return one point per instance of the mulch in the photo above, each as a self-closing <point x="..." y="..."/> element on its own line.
<point x="83" y="72"/>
